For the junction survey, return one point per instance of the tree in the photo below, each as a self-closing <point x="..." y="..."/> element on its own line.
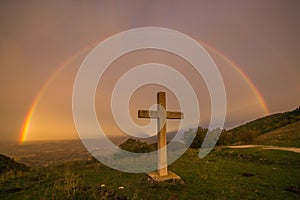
<point x="194" y="137"/>
<point x="225" y="138"/>
<point x="246" y="137"/>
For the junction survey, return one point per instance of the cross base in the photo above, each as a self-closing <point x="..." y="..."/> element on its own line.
<point x="171" y="177"/>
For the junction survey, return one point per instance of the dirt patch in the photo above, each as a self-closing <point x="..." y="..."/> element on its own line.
<point x="293" y="149"/>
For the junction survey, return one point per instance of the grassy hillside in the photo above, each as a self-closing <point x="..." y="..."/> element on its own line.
<point x="248" y="133"/>
<point x="223" y="174"/>
<point x="269" y="123"/>
<point x="288" y="135"/>
<point x="8" y="164"/>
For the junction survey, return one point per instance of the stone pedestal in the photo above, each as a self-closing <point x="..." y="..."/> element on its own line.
<point x="154" y="177"/>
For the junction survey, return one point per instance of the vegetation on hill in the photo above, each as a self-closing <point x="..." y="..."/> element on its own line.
<point x="249" y="132"/>
<point x="8" y="164"/>
<point x="288" y="136"/>
<point x="137" y="146"/>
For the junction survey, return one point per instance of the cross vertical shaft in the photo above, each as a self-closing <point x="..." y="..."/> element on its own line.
<point x="162" y="138"/>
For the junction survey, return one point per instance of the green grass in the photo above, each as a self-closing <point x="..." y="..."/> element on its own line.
<point x="276" y="175"/>
<point x="288" y="136"/>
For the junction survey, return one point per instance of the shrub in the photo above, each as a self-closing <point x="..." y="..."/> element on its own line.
<point x="136" y="146"/>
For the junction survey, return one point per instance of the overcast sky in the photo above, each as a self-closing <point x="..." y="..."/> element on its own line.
<point x="38" y="37"/>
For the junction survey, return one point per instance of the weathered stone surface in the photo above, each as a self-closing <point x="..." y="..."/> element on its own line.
<point x="170" y="177"/>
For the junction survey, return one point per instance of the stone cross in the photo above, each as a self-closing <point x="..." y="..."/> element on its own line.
<point x="161" y="115"/>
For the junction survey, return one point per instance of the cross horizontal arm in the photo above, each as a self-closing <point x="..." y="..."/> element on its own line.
<point x="148" y="114"/>
<point x="156" y="114"/>
<point x="174" y="115"/>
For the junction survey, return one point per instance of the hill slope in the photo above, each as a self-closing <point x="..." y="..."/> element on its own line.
<point x="288" y="135"/>
<point x="269" y="123"/>
<point x="8" y="164"/>
<point x="270" y="126"/>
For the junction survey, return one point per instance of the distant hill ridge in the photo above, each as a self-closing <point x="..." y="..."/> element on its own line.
<point x="248" y="133"/>
<point x="8" y="164"/>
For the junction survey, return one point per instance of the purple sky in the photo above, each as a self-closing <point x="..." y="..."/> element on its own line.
<point x="261" y="37"/>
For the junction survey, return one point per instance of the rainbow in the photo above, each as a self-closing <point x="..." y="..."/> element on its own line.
<point x="27" y="121"/>
<point x="257" y="93"/>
